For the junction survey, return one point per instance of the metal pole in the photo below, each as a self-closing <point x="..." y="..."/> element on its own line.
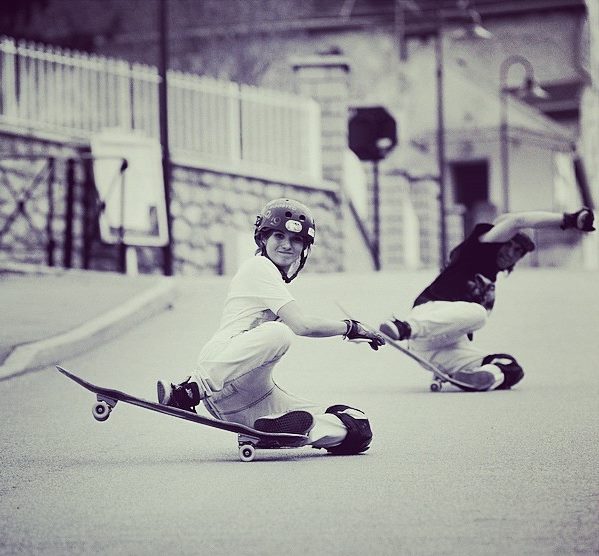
<point x="399" y="21"/>
<point x="376" y="242"/>
<point x="441" y="142"/>
<point x="67" y="253"/>
<point x="50" y="218"/>
<point x="122" y="246"/>
<point x="90" y="213"/>
<point x="504" y="140"/>
<point x="163" y="115"/>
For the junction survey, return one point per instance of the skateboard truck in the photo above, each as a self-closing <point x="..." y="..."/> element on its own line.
<point x="247" y="449"/>
<point x="102" y="408"/>
<point x="436" y="385"/>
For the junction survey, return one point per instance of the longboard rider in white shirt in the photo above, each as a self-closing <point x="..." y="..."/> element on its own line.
<point x="234" y="373"/>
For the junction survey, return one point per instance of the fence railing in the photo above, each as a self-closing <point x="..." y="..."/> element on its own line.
<point x="210" y="122"/>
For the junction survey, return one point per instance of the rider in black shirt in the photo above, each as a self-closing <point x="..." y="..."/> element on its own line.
<point x="460" y="299"/>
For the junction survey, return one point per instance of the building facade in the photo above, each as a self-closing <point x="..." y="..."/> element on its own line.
<point x="503" y="148"/>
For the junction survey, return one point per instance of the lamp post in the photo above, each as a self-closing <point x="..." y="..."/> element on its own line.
<point x="439" y="73"/>
<point x="471" y="30"/>
<point x="528" y="87"/>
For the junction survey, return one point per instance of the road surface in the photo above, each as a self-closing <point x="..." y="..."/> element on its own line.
<point x="448" y="473"/>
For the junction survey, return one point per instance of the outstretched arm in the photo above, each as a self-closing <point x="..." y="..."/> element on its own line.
<point x="507" y="225"/>
<point x="318" y="327"/>
<point x="309" y="325"/>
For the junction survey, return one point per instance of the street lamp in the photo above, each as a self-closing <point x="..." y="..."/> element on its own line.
<point x="529" y="87"/>
<point x="471" y="30"/>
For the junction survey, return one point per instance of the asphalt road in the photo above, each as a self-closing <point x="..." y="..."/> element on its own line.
<point x="448" y="473"/>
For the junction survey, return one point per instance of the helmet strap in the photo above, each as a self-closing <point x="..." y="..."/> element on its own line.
<point x="303" y="259"/>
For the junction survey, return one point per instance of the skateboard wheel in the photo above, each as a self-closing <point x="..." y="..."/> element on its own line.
<point x="101" y="411"/>
<point x="247" y="452"/>
<point x="436" y="386"/>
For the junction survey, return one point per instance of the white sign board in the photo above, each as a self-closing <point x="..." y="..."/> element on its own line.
<point x="566" y="196"/>
<point x="134" y="197"/>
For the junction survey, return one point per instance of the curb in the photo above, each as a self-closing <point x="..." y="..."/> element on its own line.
<point x="39" y="269"/>
<point x="35" y="355"/>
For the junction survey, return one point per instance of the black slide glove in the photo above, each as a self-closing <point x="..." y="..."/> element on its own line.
<point x="580" y="220"/>
<point x="357" y="332"/>
<point x="482" y="291"/>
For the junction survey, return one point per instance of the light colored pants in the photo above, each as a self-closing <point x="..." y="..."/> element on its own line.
<point x="235" y="375"/>
<point x="439" y="334"/>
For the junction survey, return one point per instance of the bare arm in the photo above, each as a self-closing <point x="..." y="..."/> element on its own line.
<point x="308" y="325"/>
<point x="507" y="225"/>
<point x="318" y="327"/>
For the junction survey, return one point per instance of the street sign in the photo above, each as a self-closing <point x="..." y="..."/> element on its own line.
<point x="372" y="132"/>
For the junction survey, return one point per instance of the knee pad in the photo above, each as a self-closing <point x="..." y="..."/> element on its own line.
<point x="359" y="434"/>
<point x="510" y="368"/>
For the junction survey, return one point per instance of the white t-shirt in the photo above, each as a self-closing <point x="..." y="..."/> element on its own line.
<point x="256" y="294"/>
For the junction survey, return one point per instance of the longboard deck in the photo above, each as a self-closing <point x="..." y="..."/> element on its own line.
<point x="439" y="376"/>
<point x="247" y="435"/>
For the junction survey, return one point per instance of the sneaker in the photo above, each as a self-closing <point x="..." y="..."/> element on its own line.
<point x="182" y="396"/>
<point x="396" y="329"/>
<point x="294" y="422"/>
<point x="480" y="379"/>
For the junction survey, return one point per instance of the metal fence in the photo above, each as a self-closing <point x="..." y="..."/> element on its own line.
<point x="211" y="122"/>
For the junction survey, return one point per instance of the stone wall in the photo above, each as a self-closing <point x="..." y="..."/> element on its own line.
<point x="214" y="216"/>
<point x="213" y="213"/>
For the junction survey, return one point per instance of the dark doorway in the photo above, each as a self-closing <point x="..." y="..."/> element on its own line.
<point x="471" y="189"/>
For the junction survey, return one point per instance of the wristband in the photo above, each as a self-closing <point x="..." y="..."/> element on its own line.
<point x="568" y="220"/>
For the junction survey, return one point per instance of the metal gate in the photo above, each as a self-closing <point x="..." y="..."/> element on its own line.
<point x="49" y="212"/>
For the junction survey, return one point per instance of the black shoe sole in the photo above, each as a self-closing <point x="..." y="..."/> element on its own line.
<point x="161" y="392"/>
<point x="294" y="422"/>
<point x="478" y="381"/>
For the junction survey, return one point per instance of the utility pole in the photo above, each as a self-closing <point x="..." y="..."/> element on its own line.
<point x="167" y="249"/>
